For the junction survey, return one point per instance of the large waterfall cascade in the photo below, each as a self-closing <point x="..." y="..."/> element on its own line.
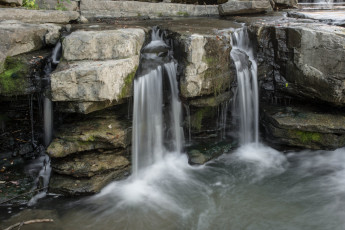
<point x="246" y="96"/>
<point x="158" y="69"/>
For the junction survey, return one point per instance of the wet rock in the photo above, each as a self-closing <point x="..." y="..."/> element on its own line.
<point x="103" y="45"/>
<point x="92" y="163"/>
<point x="292" y="50"/>
<point x="207" y="65"/>
<point x="15" y="2"/>
<point x="333" y="17"/>
<point x="118" y="9"/>
<point x="94" y="81"/>
<point x="212" y="101"/>
<point x="18" y="38"/>
<point x="282" y="4"/>
<point x="71" y="186"/>
<point x="200" y="154"/>
<point x="236" y="7"/>
<point x="305" y="127"/>
<point x="94" y="133"/>
<point x="25" y="149"/>
<point x="38" y="16"/>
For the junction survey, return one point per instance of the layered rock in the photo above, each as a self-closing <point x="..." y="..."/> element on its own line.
<point x="38" y="16"/>
<point x="82" y="85"/>
<point x="304" y="127"/>
<point x="118" y="9"/>
<point x="278" y="4"/>
<point x="288" y="52"/>
<point x="54" y="5"/>
<point x="86" y="155"/>
<point x="238" y="7"/>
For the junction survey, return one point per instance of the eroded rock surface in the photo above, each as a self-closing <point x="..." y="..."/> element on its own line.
<point x="237" y="7"/>
<point x="304" y="127"/>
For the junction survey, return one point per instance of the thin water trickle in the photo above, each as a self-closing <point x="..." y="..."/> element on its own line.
<point x="247" y="99"/>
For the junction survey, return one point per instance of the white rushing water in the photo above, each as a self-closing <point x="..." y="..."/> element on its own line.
<point x="247" y="101"/>
<point x="148" y="120"/>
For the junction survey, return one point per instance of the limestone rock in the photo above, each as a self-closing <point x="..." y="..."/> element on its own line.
<point x="18" y="38"/>
<point x="211" y="101"/>
<point x="53" y="5"/>
<point x="103" y="45"/>
<point x="237" y="7"/>
<point x="38" y="16"/>
<point x="304" y="127"/>
<point x="70" y="186"/>
<point x="207" y="66"/>
<point x="117" y="9"/>
<point x="298" y="73"/>
<point x="16" y="2"/>
<point x="92" y="163"/>
<point x="285" y="3"/>
<point x="94" y="133"/>
<point x="94" y="81"/>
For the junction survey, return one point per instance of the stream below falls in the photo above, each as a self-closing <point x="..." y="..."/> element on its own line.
<point x="253" y="187"/>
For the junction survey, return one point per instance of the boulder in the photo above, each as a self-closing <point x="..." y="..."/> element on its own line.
<point x="303" y="126"/>
<point x="278" y="4"/>
<point x="95" y="81"/>
<point x="11" y="2"/>
<point x="238" y="7"/>
<point x="207" y="65"/>
<point x="103" y="45"/>
<point x="106" y="132"/>
<point x="92" y="163"/>
<point x="38" y="16"/>
<point x="118" y="9"/>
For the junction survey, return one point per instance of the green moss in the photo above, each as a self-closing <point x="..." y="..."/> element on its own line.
<point x="12" y="79"/>
<point x="127" y="83"/>
<point x="196" y="121"/>
<point x="182" y="13"/>
<point x="90" y="138"/>
<point x="305" y="137"/>
<point x="211" y="61"/>
<point x="160" y="14"/>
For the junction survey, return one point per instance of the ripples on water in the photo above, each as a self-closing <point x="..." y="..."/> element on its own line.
<point x="255" y="187"/>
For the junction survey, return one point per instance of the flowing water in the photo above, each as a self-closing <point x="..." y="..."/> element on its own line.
<point x="149" y="136"/>
<point x="247" y="96"/>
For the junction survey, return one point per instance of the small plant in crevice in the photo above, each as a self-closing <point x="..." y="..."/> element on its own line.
<point x="61" y="4"/>
<point x="30" y="4"/>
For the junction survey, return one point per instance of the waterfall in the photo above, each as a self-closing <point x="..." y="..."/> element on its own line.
<point x="246" y="102"/>
<point x="148" y="139"/>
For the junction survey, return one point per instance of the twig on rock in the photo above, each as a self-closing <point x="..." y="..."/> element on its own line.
<point x="20" y="224"/>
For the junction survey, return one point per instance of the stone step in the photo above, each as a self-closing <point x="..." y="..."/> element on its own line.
<point x="38" y="16"/>
<point x="119" y="9"/>
<point x="103" y="45"/>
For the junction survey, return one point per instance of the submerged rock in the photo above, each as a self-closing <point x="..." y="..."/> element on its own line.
<point x="304" y="127"/>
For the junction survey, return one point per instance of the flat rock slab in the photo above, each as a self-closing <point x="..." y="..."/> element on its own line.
<point x="71" y="186"/>
<point x="118" y="9"/>
<point x="38" y="16"/>
<point x="305" y="127"/>
<point x="331" y="17"/>
<point x="92" y="163"/>
<point x="238" y="7"/>
<point x="96" y="133"/>
<point x="103" y="45"/>
<point x="87" y="81"/>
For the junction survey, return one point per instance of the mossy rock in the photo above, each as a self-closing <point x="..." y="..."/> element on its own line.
<point x="13" y="78"/>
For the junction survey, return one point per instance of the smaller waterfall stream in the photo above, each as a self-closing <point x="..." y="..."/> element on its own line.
<point x="148" y="123"/>
<point x="247" y="101"/>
